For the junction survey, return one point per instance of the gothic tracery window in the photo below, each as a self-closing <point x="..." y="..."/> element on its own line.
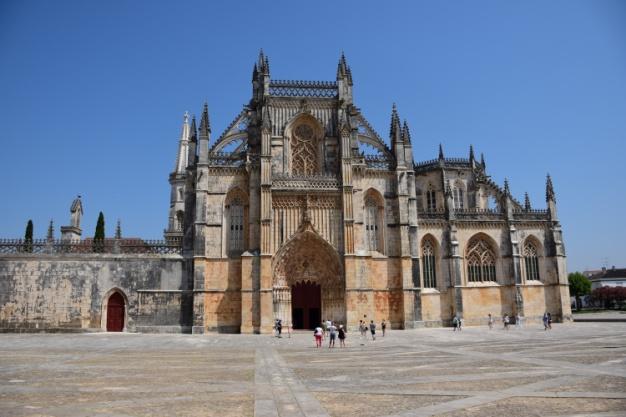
<point x="431" y="199"/>
<point x="428" y="264"/>
<point x="373" y="223"/>
<point x="481" y="261"/>
<point x="303" y="151"/>
<point x="236" y="226"/>
<point x="531" y="262"/>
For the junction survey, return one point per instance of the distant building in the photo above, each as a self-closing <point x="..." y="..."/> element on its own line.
<point x="614" y="277"/>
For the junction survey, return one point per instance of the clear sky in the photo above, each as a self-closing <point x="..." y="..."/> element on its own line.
<point x="92" y="96"/>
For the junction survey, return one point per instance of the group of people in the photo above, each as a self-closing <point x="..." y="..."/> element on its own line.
<point x="333" y="331"/>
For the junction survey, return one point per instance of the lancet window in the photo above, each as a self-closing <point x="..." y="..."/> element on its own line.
<point x="531" y="262"/>
<point x="428" y="264"/>
<point x="373" y="224"/>
<point x="458" y="196"/>
<point x="431" y="199"/>
<point x="481" y="261"/>
<point x="236" y="226"/>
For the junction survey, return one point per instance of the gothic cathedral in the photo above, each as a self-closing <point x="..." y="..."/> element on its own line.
<point x="300" y="211"/>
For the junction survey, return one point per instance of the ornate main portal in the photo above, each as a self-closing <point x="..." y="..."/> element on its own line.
<point x="308" y="279"/>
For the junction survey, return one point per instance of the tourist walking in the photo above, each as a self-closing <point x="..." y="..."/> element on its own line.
<point x="342" y="336"/>
<point x="327" y="324"/>
<point x="549" y="321"/>
<point x="455" y="323"/>
<point x="490" y="321"/>
<point x="383" y="325"/>
<point x="332" y="335"/>
<point x="373" y="329"/>
<point x="545" y="321"/>
<point x="506" y="321"/>
<point x="279" y="328"/>
<point x="460" y="323"/>
<point x="518" y="321"/>
<point x="318" y="333"/>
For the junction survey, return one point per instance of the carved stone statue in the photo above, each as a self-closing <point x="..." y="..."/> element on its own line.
<point x="76" y="212"/>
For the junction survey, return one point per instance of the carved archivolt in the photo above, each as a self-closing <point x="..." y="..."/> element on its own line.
<point x="307" y="257"/>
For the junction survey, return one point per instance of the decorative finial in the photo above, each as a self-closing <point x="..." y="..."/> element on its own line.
<point x="440" y="152"/>
<point x="118" y="230"/>
<point x="193" y="131"/>
<point x="205" y="125"/>
<point x="550" y="196"/>
<point x="394" y="128"/>
<point x="406" y="134"/>
<point x="50" y="235"/>
<point x="526" y="202"/>
<point x="186" y="117"/>
<point x="471" y="154"/>
<point x="507" y="191"/>
<point x="482" y="161"/>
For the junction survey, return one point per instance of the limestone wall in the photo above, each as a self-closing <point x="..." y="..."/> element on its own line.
<point x="67" y="292"/>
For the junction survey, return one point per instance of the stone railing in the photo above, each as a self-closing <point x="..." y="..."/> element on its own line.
<point x="305" y="182"/>
<point x="436" y="214"/>
<point x="295" y="88"/>
<point x="227" y="159"/>
<point x="478" y="214"/>
<point x="88" y="246"/>
<point x="531" y="214"/>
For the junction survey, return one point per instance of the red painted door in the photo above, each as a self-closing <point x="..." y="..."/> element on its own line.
<point x="306" y="305"/>
<point x="115" y="313"/>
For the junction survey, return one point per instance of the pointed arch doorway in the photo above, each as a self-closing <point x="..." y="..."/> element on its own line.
<point x="308" y="283"/>
<point x="306" y="305"/>
<point x="115" y="313"/>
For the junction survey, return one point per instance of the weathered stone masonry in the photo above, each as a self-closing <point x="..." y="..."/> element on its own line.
<point x="300" y="211"/>
<point x="68" y="292"/>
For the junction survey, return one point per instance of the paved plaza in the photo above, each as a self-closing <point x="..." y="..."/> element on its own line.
<point x="574" y="370"/>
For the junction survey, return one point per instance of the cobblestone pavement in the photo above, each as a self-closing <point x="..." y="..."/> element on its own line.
<point x="574" y="370"/>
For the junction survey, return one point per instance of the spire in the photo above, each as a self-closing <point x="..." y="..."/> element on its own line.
<point x="205" y="125"/>
<point x="406" y="134"/>
<point x="527" y="202"/>
<point x="507" y="191"/>
<point x="482" y="161"/>
<point x="193" y="131"/>
<point x="118" y="230"/>
<point x="394" y="128"/>
<point x="440" y="152"/>
<point x="549" y="190"/>
<point x="471" y="154"/>
<point x="255" y="72"/>
<point x="343" y="69"/>
<point x="183" y="145"/>
<point x="263" y="65"/>
<point x="50" y="235"/>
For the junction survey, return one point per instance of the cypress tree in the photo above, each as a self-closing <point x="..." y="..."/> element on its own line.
<point x="28" y="237"/>
<point x="98" y="238"/>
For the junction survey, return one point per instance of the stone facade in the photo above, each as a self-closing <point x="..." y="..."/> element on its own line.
<point x="300" y="211"/>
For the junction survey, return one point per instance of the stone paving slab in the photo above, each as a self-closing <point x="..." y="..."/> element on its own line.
<point x="574" y="370"/>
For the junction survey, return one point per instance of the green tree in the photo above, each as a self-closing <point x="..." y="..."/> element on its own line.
<point x="98" y="238"/>
<point x="579" y="285"/>
<point x="28" y="237"/>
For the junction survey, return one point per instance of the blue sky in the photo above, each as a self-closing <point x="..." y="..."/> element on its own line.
<point x="92" y="96"/>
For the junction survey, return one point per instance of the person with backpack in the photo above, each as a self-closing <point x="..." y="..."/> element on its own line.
<point x="342" y="336"/>
<point x="455" y="323"/>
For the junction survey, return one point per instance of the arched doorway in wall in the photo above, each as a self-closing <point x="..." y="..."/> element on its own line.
<point x="306" y="305"/>
<point x="115" y="313"/>
<point x="308" y="283"/>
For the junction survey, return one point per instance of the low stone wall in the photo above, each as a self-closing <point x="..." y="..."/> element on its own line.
<point x="67" y="292"/>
